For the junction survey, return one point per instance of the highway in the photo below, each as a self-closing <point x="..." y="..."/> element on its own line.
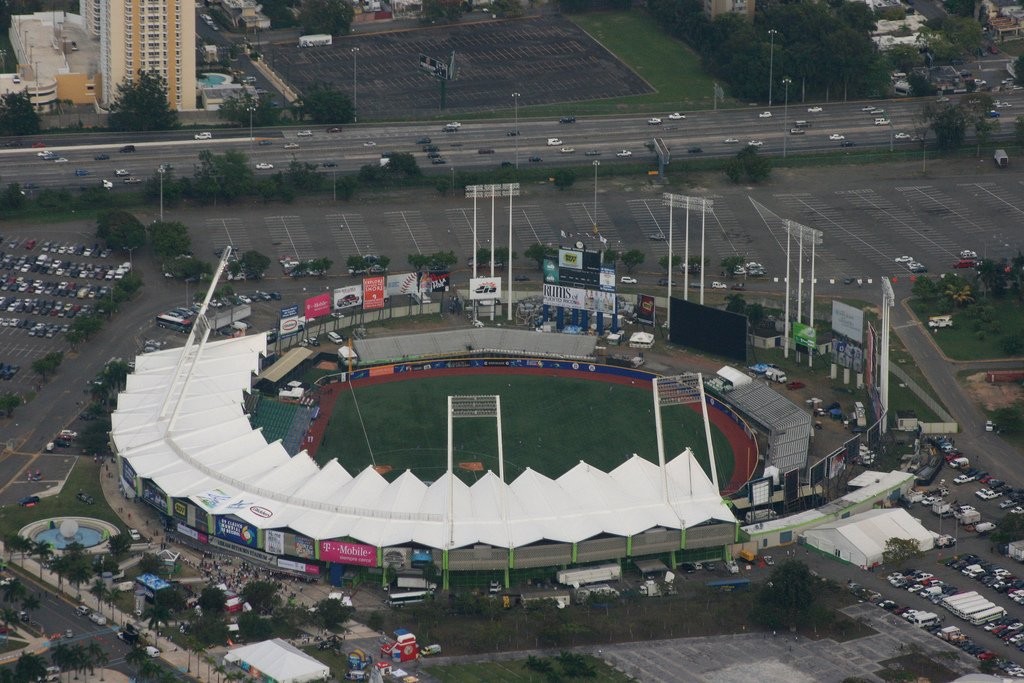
<point x="358" y="145"/>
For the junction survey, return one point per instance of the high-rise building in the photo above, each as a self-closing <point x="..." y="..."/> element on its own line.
<point x="148" y="35"/>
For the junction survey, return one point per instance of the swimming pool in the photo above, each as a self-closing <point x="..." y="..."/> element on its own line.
<point x="212" y="80"/>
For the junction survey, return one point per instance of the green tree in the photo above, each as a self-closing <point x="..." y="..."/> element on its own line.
<point x="157" y="615"/>
<point x="331" y="613"/>
<point x="141" y="104"/>
<point x="252" y="627"/>
<point x="1010" y="419"/>
<point x="787" y="598"/>
<point x="254" y="264"/>
<point x="236" y="110"/>
<point x="1012" y="344"/>
<point x="43" y="552"/>
<point x="920" y="86"/>
<point x="8" y="402"/>
<point x="31" y="667"/>
<point x="326" y="16"/>
<point x="729" y="264"/>
<point x="17" y="115"/>
<point x="212" y="600"/>
<point x="748" y="166"/>
<point x="900" y="550"/>
<point x="263" y="596"/>
<point x="119" y="545"/>
<point x="442" y="10"/>
<point x="442" y="260"/>
<point x="99" y="590"/>
<point x="632" y="258"/>
<point x="950" y="126"/>
<point x="121" y="230"/>
<point x="537" y="252"/>
<point x="170" y="239"/>
<point x="735" y="303"/>
<point x="676" y="261"/>
<point x="992" y="277"/>
<point x="225" y="176"/>
<point x="564" y="178"/>
<point x="48" y="364"/>
<point x="323" y="104"/>
<point x="12" y="198"/>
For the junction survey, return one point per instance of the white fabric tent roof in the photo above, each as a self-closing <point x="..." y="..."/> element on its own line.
<point x="280" y="661"/>
<point x="737" y="377"/>
<point x="180" y="423"/>
<point x="861" y="539"/>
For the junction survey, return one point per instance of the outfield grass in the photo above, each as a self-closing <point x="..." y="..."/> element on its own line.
<point x="974" y="340"/>
<point x="548" y="425"/>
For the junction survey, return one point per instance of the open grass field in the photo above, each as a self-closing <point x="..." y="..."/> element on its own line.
<point x="547" y="424"/>
<point x="972" y="339"/>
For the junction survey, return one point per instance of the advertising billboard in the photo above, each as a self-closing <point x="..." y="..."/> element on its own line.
<point x="577" y="268"/>
<point x="236" y="531"/>
<point x="318" y="306"/>
<point x="848" y="321"/>
<point x="435" y="282"/>
<point x="347" y="297"/>
<point x="484" y="288"/>
<point x="551" y="271"/>
<point x="373" y="292"/>
<point x="848" y="355"/>
<point x="405" y="283"/>
<point x="579" y="299"/>
<point x="804" y="335"/>
<point x="759" y="491"/>
<point x="645" y="309"/>
<point x="289" y="323"/>
<point x="348" y="553"/>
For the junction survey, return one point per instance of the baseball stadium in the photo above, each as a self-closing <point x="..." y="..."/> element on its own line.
<point x="480" y="453"/>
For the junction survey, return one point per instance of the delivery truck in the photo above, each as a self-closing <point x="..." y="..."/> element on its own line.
<point x="585" y="575"/>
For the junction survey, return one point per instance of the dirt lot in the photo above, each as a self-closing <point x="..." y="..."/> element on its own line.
<point x="993" y="396"/>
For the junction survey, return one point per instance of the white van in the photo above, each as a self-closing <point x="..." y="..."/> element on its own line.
<point x="335" y="338"/>
<point x="203" y="136"/>
<point x="984" y="527"/>
<point x="554" y="142"/>
<point x="924" y="619"/>
<point x="959" y="463"/>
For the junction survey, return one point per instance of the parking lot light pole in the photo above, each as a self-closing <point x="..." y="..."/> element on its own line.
<point x="160" y="172"/>
<point x="771" y="62"/>
<point x="515" y="100"/>
<point x="596" y="164"/>
<point x="355" y="95"/>
<point x="785" y="117"/>
<point x="251" y="109"/>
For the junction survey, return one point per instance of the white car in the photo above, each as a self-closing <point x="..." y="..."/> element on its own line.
<point x="1008" y="503"/>
<point x="627" y="280"/>
<point x="814" y="110"/>
<point x="967" y="253"/>
<point x="1000" y="104"/>
<point x="264" y="166"/>
<point x="292" y="145"/>
<point x="203" y="136"/>
<point x="731" y="141"/>
<point x="370" y="144"/>
<point x="134" y="535"/>
<point x="764" y="115"/>
<point x="754" y="143"/>
<point x="882" y="122"/>
<point x="122" y="172"/>
<point x="904" y="259"/>
<point x="902" y="136"/>
<point x="869" y="107"/>
<point x="719" y="285"/>
<point x="554" y="142"/>
<point x="676" y="116"/>
<point x="963" y="479"/>
<point x="624" y="153"/>
<point x="304" y="134"/>
<point x="654" y="122"/>
<point x="567" y="150"/>
<point x="837" y="136"/>
<point x="60" y="160"/>
<point x="107" y="184"/>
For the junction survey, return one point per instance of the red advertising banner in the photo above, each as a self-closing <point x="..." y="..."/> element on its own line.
<point x="318" y="306"/>
<point x="373" y="292"/>
<point x="349" y="553"/>
<point x="645" y="309"/>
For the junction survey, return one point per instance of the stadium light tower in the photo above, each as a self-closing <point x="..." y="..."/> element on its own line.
<point x="888" y="301"/>
<point x="494" y="190"/>
<point x="800" y="233"/>
<point x="685" y="202"/>
<point x="687" y="388"/>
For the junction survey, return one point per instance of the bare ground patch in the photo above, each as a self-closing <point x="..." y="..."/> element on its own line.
<point x="992" y="396"/>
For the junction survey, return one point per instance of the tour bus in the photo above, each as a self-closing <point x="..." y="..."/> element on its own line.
<point x="409" y="597"/>
<point x="860" y="414"/>
<point x="178" y="320"/>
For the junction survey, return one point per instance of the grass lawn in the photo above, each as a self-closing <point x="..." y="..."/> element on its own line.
<point x="84" y="476"/>
<point x="971" y="339"/>
<point x="547" y="424"/>
<point x="671" y="68"/>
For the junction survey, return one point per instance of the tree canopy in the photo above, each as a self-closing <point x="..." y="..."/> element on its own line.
<point x="121" y="230"/>
<point x="236" y="110"/>
<point x="326" y="16"/>
<point x="17" y="116"/>
<point x="323" y="104"/>
<point x="170" y="239"/>
<point x="142" y="105"/>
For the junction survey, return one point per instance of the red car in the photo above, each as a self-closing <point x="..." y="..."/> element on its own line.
<point x="795" y="385"/>
<point x="39" y="144"/>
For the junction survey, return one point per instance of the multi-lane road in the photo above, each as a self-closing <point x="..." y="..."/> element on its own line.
<point x="358" y="145"/>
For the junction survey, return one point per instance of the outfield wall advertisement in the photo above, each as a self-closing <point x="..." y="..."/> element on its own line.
<point x="481" y="288"/>
<point x="318" y="306"/>
<point x="348" y="297"/>
<point x="579" y="299"/>
<point x="373" y="292"/>
<point x="404" y="283"/>
<point x="289" y="323"/>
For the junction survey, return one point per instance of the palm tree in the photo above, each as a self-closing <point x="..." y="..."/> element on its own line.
<point x="62" y="656"/>
<point x="155" y="615"/>
<point x="99" y="590"/>
<point x="30" y="667"/>
<point x="80" y="658"/>
<point x="14" y="591"/>
<point x="960" y="295"/>
<point x="16" y="543"/>
<point x="9" y="615"/>
<point x="30" y="603"/>
<point x="43" y="551"/>
<point x="97" y="657"/>
<point x="136" y="657"/>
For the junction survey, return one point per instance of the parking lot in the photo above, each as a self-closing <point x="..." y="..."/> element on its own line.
<point x="44" y="285"/>
<point x="544" y="57"/>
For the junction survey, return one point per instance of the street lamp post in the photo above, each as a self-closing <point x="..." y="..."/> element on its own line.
<point x="515" y="100"/>
<point x="251" y="109"/>
<point x="160" y="172"/>
<point x="355" y="95"/>
<point x="785" y="117"/>
<point x="771" y="62"/>
<point x="596" y="164"/>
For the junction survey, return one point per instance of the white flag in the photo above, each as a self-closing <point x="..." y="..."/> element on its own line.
<point x="604" y="240"/>
<point x="563" y="234"/>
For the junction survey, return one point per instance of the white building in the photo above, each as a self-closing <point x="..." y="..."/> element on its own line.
<point x="861" y="539"/>
<point x="148" y="35"/>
